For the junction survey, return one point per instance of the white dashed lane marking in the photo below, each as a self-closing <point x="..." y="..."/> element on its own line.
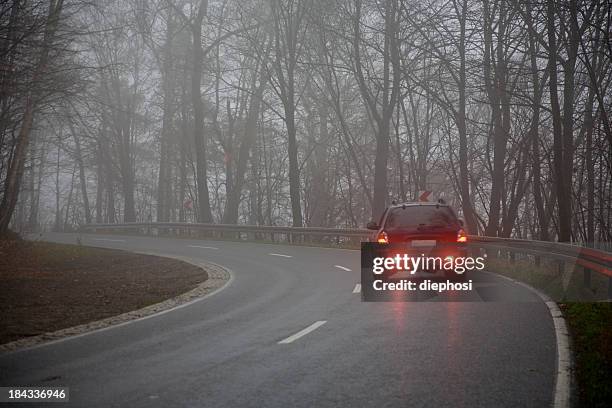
<point x="303" y="332"/>
<point x="282" y="255"/>
<point x="202" y="247"/>
<point x="357" y="288"/>
<point x="344" y="268"/>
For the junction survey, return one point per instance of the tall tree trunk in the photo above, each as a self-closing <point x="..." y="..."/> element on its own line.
<point x="66" y="224"/>
<point x="543" y="219"/>
<point x="127" y="166"/>
<point x="183" y="158"/>
<point x="164" y="176"/>
<point x="569" y="68"/>
<point x="111" y="215"/>
<point x="495" y="81"/>
<point x="563" y="126"/>
<point x="321" y="195"/>
<point x="390" y="85"/>
<point x="58" y="210"/>
<point x="294" y="169"/>
<point x="590" y="168"/>
<point x="34" y="189"/>
<point x="558" y="156"/>
<point x="100" y="183"/>
<point x="400" y="162"/>
<point x="287" y="21"/>
<point x="204" y="210"/>
<point x="230" y="215"/>
<point x="460" y="120"/>
<point x="82" y="178"/>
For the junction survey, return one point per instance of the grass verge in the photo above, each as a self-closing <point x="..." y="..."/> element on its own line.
<point x="590" y="325"/>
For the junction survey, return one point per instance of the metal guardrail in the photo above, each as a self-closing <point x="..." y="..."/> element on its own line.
<point x="257" y="229"/>
<point x="588" y="258"/>
<point x="593" y="259"/>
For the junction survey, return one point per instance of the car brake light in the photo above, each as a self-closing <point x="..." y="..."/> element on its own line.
<point x="461" y="236"/>
<point x="382" y="238"/>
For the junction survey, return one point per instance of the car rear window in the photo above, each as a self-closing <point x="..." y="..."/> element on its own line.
<point x="420" y="215"/>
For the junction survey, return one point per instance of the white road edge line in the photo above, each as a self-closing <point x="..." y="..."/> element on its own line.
<point x="303" y="332"/>
<point x="202" y="247"/>
<point x="561" y="396"/>
<point x="108" y="239"/>
<point x="562" y="386"/>
<point x="282" y="255"/>
<point x="357" y="288"/>
<point x="344" y="268"/>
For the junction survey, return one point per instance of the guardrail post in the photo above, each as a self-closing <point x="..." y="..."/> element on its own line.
<point x="587" y="278"/>
<point x="560" y="267"/>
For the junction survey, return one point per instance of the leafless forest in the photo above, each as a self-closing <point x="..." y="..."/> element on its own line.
<point x="307" y="112"/>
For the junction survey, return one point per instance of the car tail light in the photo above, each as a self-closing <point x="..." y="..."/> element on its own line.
<point x="461" y="236"/>
<point x="382" y="238"/>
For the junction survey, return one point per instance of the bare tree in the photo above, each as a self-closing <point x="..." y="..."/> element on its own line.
<point x="17" y="163"/>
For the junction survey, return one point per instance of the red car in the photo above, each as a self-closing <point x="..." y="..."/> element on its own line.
<point x="430" y="229"/>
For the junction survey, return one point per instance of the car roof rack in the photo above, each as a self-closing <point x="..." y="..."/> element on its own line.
<point x="404" y="204"/>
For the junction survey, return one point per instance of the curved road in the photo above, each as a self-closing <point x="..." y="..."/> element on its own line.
<point x="289" y="330"/>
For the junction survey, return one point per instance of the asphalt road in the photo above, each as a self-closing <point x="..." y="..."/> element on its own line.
<point x="247" y="346"/>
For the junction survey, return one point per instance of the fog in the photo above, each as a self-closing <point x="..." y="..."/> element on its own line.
<point x="307" y="113"/>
